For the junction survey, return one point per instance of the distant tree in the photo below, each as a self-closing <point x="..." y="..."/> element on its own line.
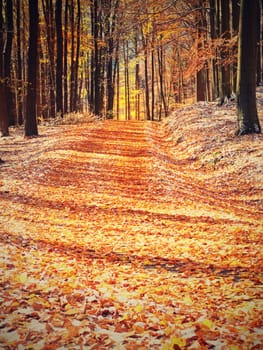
<point x="65" y="53"/>
<point x="4" y="120"/>
<point x="59" y="58"/>
<point x="7" y="54"/>
<point x="202" y="74"/>
<point x="77" y="60"/>
<point x="19" y="64"/>
<point x="97" y="58"/>
<point x="31" y="112"/>
<point x="224" y="70"/>
<point x="247" y="116"/>
<point x="48" y="12"/>
<point x="110" y="27"/>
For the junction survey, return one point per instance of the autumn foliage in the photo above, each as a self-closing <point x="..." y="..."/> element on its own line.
<point x="133" y="235"/>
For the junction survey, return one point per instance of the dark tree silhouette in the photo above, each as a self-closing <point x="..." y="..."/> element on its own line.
<point x="59" y="58"/>
<point x="248" y="121"/>
<point x="31" y="112"/>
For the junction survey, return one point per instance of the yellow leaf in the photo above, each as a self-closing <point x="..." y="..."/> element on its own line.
<point x="166" y="347"/>
<point x="187" y="300"/>
<point x="178" y="341"/>
<point x="34" y="299"/>
<point x="139" y="308"/>
<point x="22" y="278"/>
<point x="209" y="324"/>
<point x="234" y="347"/>
<point x="72" y="311"/>
<point x="168" y="330"/>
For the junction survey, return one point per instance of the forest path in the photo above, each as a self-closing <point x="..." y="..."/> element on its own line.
<point x="120" y="241"/>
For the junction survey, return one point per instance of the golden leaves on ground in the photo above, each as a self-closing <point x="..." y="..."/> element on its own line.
<point x="115" y="235"/>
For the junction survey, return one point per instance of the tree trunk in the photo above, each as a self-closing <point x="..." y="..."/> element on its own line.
<point x="202" y="76"/>
<point x="161" y="79"/>
<point x="146" y="82"/>
<point x="7" y="63"/>
<point x="30" y="116"/>
<point x="76" y="70"/>
<point x="65" y="70"/>
<point x="224" y="72"/>
<point x="247" y="116"/>
<point x="260" y="43"/>
<point x="4" y="121"/>
<point x="19" y="66"/>
<point x="97" y="89"/>
<point x="234" y="31"/>
<point x="126" y="80"/>
<point x="48" y="11"/>
<point x="153" y="87"/>
<point x="137" y="81"/>
<point x="59" y="57"/>
<point x="110" y="31"/>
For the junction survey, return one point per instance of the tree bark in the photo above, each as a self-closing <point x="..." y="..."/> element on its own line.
<point x="31" y="116"/>
<point x="48" y="11"/>
<point x="224" y="72"/>
<point x="247" y="116"/>
<point x="161" y="79"/>
<point x="65" y="52"/>
<point x="76" y="65"/>
<point x="7" y="54"/>
<point x="260" y="43"/>
<point x="59" y="58"/>
<point x="19" y="65"/>
<point x="4" y="121"/>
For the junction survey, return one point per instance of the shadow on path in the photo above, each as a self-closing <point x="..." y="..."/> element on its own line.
<point x="187" y="267"/>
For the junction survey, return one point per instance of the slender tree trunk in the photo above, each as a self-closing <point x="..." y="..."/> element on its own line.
<point x="59" y="57"/>
<point x="247" y="116"/>
<point x="146" y="78"/>
<point x="137" y="82"/>
<point x="213" y="78"/>
<point x="127" y="81"/>
<point x="72" y="68"/>
<point x="118" y="91"/>
<point x="48" y="11"/>
<point x="234" y="31"/>
<point x="4" y="120"/>
<point x="97" y="78"/>
<point x="7" y="63"/>
<point x="201" y="76"/>
<point x="65" y="71"/>
<point x="110" y="86"/>
<point x="76" y="70"/>
<point x="161" y="79"/>
<point x="110" y="32"/>
<point x="153" y="85"/>
<point x="19" y="65"/>
<point x="225" y="8"/>
<point x="31" y="117"/>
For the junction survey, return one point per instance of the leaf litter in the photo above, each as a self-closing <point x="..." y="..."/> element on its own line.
<point x="133" y="235"/>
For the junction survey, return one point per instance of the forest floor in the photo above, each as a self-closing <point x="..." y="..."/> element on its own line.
<point x="133" y="235"/>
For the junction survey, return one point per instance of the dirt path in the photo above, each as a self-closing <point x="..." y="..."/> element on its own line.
<point x="109" y="239"/>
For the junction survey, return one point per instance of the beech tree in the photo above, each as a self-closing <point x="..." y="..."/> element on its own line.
<point x="48" y="12"/>
<point x="4" y="120"/>
<point x="31" y="111"/>
<point x="247" y="116"/>
<point x="59" y="58"/>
